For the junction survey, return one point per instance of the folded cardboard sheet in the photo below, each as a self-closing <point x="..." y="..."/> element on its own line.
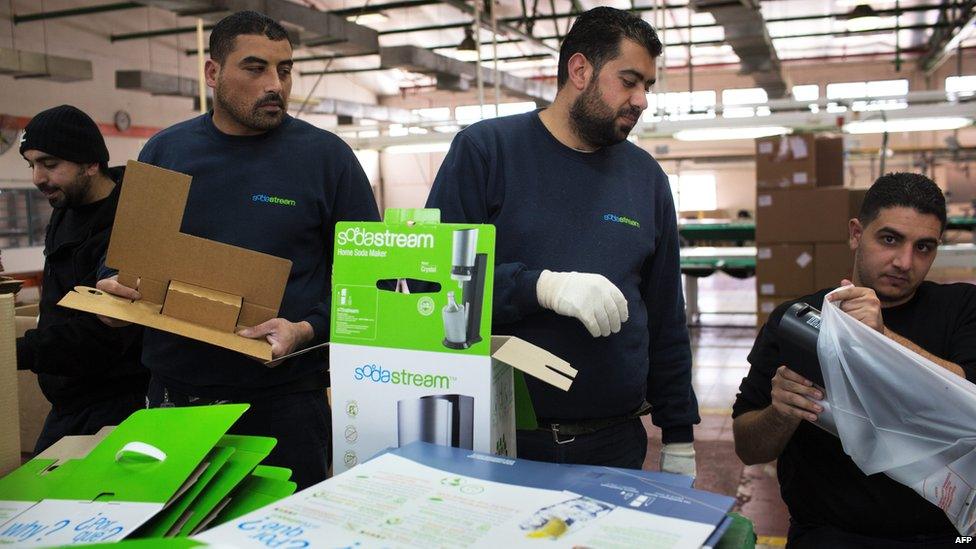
<point x="190" y="286"/>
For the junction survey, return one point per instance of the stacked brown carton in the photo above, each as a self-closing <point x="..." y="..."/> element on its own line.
<point x="802" y="214"/>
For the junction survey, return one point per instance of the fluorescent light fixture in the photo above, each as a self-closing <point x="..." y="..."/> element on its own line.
<point x="469" y="56"/>
<point x="418" y="148"/>
<point x="368" y="18"/>
<point x="467" y="50"/>
<point x="907" y="124"/>
<point x="862" y="18"/>
<point x="721" y="134"/>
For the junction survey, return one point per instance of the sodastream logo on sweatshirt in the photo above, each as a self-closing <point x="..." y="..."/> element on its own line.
<point x="273" y="200"/>
<point x="614" y="218"/>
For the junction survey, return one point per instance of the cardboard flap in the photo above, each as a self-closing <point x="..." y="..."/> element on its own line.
<point x="535" y="361"/>
<point x="147" y="314"/>
<point x="249" y="451"/>
<point x="203" y="306"/>
<point x="146" y="242"/>
<point x="74" y="447"/>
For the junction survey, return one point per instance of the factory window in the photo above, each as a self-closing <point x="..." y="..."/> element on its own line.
<point x="436" y="113"/>
<point x="469" y="114"/>
<point x="888" y="93"/>
<point x="806" y="92"/>
<point x="680" y="105"/>
<point x="739" y="102"/>
<point x="961" y="86"/>
<point x="693" y="191"/>
<point x="744" y="96"/>
<point x="505" y="109"/>
<point x="874" y="88"/>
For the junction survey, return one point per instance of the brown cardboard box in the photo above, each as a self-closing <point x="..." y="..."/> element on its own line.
<point x="799" y="161"/>
<point x="773" y="221"/>
<point x="10" y="430"/>
<point x="33" y="407"/>
<point x="823" y="215"/>
<point x="806" y="216"/>
<point x="783" y="161"/>
<point x="784" y="269"/>
<point x="830" y="162"/>
<point x="831" y="263"/>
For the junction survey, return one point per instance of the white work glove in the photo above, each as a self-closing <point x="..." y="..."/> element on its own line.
<point x="591" y="298"/>
<point x="679" y="458"/>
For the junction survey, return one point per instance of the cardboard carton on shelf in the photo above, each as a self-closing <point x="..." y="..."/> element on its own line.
<point x="784" y="269"/>
<point x="799" y="161"/>
<point x="833" y="262"/>
<point x="806" y="216"/>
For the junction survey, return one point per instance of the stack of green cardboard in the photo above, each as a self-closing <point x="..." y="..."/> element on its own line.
<point x="166" y="472"/>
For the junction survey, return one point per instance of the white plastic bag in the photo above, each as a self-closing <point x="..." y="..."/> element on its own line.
<point x="899" y="413"/>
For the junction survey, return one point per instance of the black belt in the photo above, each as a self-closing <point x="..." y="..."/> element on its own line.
<point x="575" y="427"/>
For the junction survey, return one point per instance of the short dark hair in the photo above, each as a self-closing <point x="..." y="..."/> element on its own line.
<point x="597" y="33"/>
<point x="903" y="189"/>
<point x="243" y="22"/>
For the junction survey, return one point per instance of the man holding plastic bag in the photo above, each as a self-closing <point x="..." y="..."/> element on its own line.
<point x="895" y="351"/>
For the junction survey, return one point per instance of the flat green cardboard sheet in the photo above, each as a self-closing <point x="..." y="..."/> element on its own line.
<point x="248" y="453"/>
<point x="254" y="493"/>
<point x="161" y="523"/>
<point x="272" y="472"/>
<point x="186" y="435"/>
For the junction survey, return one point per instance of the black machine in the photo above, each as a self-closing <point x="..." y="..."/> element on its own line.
<point x="468" y="268"/>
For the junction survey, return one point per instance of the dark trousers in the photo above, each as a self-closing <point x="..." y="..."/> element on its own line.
<point x="622" y="445"/>
<point x="87" y="420"/>
<point x="817" y="537"/>
<point x="300" y="422"/>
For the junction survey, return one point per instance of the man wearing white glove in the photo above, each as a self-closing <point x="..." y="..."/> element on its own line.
<point x="586" y="251"/>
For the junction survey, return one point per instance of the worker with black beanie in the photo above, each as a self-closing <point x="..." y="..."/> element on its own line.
<point x="89" y="372"/>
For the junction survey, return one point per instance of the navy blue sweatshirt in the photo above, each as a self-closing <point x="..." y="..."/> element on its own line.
<point x="608" y="212"/>
<point x="280" y="193"/>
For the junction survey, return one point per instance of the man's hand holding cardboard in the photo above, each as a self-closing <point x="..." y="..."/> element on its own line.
<point x="112" y="286"/>
<point x="284" y="336"/>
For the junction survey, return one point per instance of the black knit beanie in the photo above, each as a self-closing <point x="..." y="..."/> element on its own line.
<point x="67" y="133"/>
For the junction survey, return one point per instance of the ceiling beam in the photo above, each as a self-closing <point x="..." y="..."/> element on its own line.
<point x="958" y="26"/>
<point x="369" y="9"/>
<point x="746" y="32"/>
<point x="570" y="14"/>
<point x="88" y="10"/>
<point x="505" y="28"/>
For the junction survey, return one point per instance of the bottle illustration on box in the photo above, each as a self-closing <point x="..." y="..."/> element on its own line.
<point x="462" y="321"/>
<point x="447" y="420"/>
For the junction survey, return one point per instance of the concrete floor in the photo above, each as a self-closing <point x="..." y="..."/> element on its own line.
<point x="719" y="349"/>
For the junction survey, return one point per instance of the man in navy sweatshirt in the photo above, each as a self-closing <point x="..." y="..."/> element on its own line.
<point x="265" y="181"/>
<point x="587" y="250"/>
